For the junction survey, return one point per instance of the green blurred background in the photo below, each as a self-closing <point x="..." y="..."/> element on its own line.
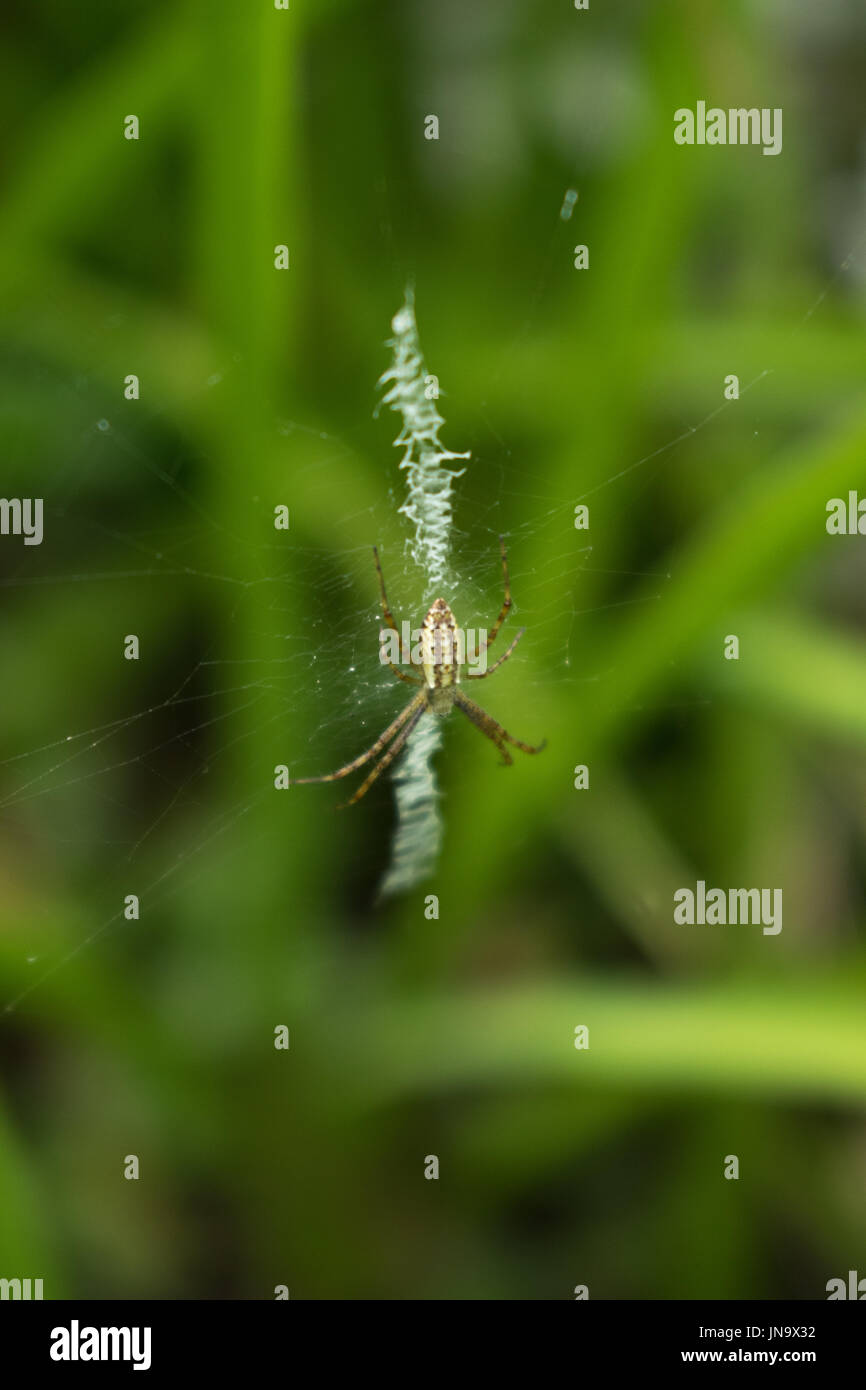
<point x="412" y="1036"/>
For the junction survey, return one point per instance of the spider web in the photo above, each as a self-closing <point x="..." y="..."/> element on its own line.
<point x="140" y="765"/>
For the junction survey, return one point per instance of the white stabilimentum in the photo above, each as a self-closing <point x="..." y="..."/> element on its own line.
<point x="418" y="835"/>
<point x="430" y="483"/>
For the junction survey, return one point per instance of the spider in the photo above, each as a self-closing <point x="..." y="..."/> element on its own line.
<point x="440" y="665"/>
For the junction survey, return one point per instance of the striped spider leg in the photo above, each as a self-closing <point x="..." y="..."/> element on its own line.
<point x="389" y="619"/>
<point x="503" y="614"/>
<point x="398" y="730"/>
<point x="479" y="717"/>
<point x="494" y="730"/>
<point x="440" y="687"/>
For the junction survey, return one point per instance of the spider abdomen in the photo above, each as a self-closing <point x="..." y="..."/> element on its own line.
<point x="440" y="658"/>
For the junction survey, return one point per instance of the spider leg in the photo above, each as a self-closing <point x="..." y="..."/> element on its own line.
<point x="479" y="675"/>
<point x="490" y="732"/>
<point x="386" y="609"/>
<point x="506" y="603"/>
<point x="414" y="706"/>
<point x="401" y="675"/>
<point x="386" y="759"/>
<point x="389" y="619"/>
<point x="507" y="760"/>
<point x="488" y="725"/>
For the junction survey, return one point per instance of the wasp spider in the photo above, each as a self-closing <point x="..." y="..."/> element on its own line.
<point x="440" y="686"/>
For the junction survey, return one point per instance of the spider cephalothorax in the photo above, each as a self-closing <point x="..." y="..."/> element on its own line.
<point x="441" y="663"/>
